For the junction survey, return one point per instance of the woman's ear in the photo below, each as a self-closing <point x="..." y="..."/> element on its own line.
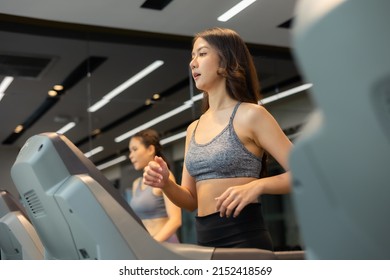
<point x="151" y="150"/>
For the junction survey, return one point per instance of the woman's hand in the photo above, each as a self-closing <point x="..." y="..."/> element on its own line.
<point x="156" y="173"/>
<point x="235" y="198"/>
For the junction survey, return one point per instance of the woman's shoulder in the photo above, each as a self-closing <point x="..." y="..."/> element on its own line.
<point x="136" y="181"/>
<point x="136" y="184"/>
<point x="251" y="111"/>
<point x="253" y="117"/>
<point x="191" y="127"/>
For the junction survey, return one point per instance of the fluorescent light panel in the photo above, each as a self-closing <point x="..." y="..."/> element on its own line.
<point x="187" y="105"/>
<point x="94" y="151"/>
<point x="197" y="97"/>
<point x="98" y="105"/>
<point x="111" y="162"/>
<point x="153" y="122"/>
<point x="173" y="138"/>
<point x="66" y="128"/>
<point x="235" y="10"/>
<point x="123" y="158"/>
<point x="4" y="85"/>
<point x="285" y="93"/>
<point x="119" y="89"/>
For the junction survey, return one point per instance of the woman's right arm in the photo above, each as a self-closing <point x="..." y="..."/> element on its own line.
<point x="156" y="174"/>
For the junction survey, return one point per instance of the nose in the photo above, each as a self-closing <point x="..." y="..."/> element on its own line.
<point x="193" y="63"/>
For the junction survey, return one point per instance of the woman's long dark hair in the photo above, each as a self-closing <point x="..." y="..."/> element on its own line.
<point x="150" y="137"/>
<point x="237" y="66"/>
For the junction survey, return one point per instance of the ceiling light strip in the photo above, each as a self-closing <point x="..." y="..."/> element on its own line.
<point x="94" y="151"/>
<point x="286" y="93"/>
<point x="173" y="138"/>
<point x="98" y="105"/>
<point x="4" y="85"/>
<point x="111" y="162"/>
<point x="153" y="122"/>
<point x="66" y="128"/>
<point x="187" y="104"/>
<point x="122" y="87"/>
<point x="235" y="10"/>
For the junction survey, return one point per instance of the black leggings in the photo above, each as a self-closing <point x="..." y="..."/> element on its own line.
<point x="247" y="230"/>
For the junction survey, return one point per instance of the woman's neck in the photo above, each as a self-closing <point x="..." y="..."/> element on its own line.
<point x="220" y="102"/>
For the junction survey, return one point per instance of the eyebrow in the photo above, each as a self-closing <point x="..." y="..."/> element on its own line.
<point x="202" y="47"/>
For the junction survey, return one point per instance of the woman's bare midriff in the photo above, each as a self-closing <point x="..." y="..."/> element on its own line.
<point x="154" y="225"/>
<point x="208" y="190"/>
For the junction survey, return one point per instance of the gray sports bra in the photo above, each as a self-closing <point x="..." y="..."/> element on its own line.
<point x="146" y="204"/>
<point x="223" y="157"/>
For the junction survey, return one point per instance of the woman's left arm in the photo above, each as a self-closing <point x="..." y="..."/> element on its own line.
<point x="174" y="219"/>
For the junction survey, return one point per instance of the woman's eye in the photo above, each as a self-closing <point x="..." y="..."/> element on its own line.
<point x="202" y="54"/>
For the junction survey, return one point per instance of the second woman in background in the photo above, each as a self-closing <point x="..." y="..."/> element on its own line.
<point x="159" y="215"/>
